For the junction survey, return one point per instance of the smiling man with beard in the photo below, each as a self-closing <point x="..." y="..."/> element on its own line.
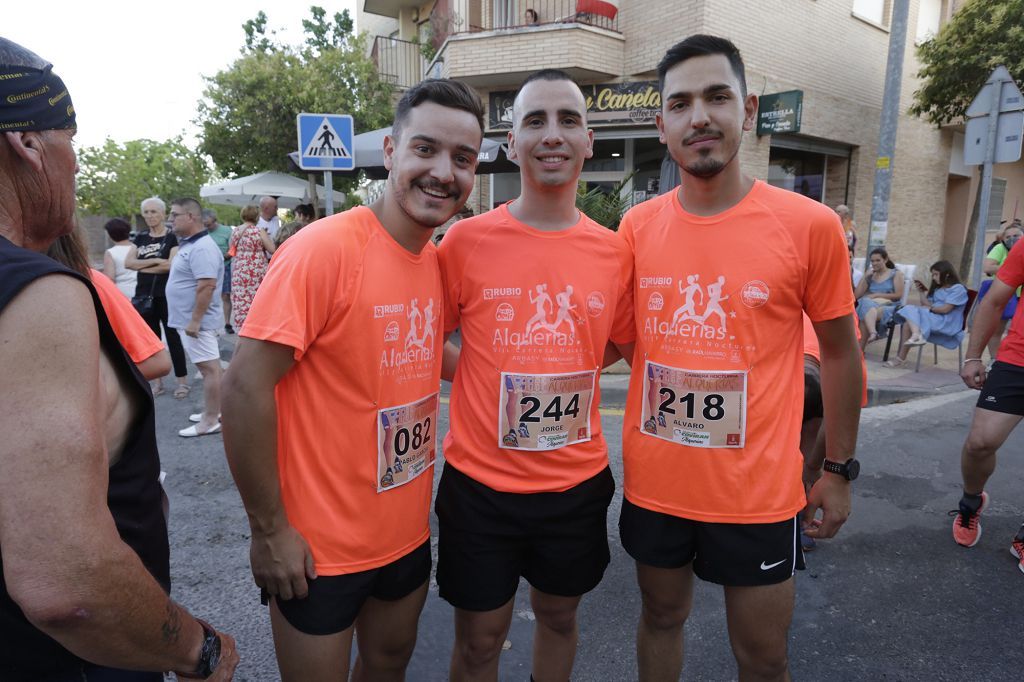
<point x="712" y="464"/>
<point x="330" y="408"/>
<point x="526" y="483"/>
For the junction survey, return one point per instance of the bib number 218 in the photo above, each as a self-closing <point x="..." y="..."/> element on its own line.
<point x="712" y="410"/>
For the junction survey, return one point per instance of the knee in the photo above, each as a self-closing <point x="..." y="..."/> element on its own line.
<point x="978" y="447"/>
<point x="392" y="654"/>
<point x="560" y="621"/>
<point x="661" y="614"/>
<point x="478" y="649"/>
<point x="762" y="662"/>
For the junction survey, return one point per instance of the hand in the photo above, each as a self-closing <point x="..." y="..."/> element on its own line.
<point x="192" y="329"/>
<point x="282" y="562"/>
<point x="810" y="477"/>
<point x="920" y="285"/>
<point x="973" y="374"/>
<point x="225" y="669"/>
<point x="831" y="494"/>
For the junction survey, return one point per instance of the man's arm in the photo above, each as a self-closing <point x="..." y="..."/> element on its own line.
<point x="64" y="563"/>
<point x="156" y="365"/>
<point x="449" y="359"/>
<point x="986" y="321"/>
<point x="281" y="558"/>
<point x="841" y="394"/>
<point x="161" y="265"/>
<point x="204" y="294"/>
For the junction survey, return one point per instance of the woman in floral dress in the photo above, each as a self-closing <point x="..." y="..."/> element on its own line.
<point x="252" y="247"/>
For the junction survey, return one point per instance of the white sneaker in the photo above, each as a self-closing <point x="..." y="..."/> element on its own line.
<point x="198" y="417"/>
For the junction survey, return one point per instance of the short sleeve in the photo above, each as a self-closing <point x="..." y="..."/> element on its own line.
<point x="206" y="260"/>
<point x="129" y="327"/>
<point x="451" y="281"/>
<point x="305" y="285"/>
<point x="956" y="294"/>
<point x="828" y="294"/>
<point x="624" y="325"/>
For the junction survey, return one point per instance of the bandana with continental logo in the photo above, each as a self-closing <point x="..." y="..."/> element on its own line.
<point x="33" y="99"/>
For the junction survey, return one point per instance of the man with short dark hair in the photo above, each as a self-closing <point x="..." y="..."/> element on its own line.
<point x="331" y="404"/>
<point x="85" y="574"/>
<point x="221" y="235"/>
<point x="194" y="309"/>
<point x="712" y="427"/>
<point x="537" y="289"/>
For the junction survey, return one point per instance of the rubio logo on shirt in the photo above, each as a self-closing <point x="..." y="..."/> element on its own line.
<point x="701" y="314"/>
<point x="553" y="323"/>
<point x="418" y="343"/>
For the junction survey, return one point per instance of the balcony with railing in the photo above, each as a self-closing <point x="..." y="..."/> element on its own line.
<point x="399" y="62"/>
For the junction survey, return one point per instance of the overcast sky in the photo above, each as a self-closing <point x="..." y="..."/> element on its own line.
<point x="135" y="68"/>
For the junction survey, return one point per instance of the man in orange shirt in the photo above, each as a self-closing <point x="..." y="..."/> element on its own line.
<point x="330" y="363"/>
<point x="713" y="469"/>
<point x="538" y="289"/>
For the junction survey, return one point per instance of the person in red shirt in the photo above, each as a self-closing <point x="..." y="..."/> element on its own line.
<point x="1000" y="405"/>
<point x="331" y="404"/>
<point x="537" y="289"/>
<point x="712" y="463"/>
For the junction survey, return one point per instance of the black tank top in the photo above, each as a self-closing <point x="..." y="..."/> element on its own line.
<point x="134" y="496"/>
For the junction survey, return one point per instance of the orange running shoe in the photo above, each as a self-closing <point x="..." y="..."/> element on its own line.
<point x="1017" y="550"/>
<point x="967" y="524"/>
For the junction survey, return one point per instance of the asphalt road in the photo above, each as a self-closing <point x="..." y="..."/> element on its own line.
<point x="892" y="598"/>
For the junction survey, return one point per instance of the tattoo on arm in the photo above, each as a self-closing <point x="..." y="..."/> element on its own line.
<point x="171" y="628"/>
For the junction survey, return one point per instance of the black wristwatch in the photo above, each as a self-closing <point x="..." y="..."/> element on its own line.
<point x="209" y="655"/>
<point x="850" y="469"/>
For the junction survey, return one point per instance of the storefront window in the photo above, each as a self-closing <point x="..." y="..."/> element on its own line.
<point x="797" y="171"/>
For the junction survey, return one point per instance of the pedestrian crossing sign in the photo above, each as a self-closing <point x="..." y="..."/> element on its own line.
<point x="325" y="142"/>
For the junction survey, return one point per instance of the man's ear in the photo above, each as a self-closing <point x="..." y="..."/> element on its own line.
<point x="390" y="142"/>
<point x="27" y="145"/>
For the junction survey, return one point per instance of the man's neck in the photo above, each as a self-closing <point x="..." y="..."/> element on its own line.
<point x="409" y="234"/>
<point x="546" y="208"/>
<point x="711" y="196"/>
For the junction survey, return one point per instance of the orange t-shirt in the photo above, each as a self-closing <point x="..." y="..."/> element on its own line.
<point x="536" y="310"/>
<point x="364" y="317"/>
<point x="712" y="421"/>
<point x="129" y="327"/>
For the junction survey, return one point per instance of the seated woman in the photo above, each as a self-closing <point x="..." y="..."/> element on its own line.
<point x="939" y="319"/>
<point x="877" y="295"/>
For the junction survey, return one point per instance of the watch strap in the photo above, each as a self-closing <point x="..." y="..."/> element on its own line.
<point x="209" y="654"/>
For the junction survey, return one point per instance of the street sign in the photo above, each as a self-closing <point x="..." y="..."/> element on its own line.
<point x="325" y="142"/>
<point x="1009" y="98"/>
<point x="1008" y="138"/>
<point x="780" y="112"/>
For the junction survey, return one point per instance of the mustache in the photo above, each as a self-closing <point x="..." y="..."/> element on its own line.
<point x="703" y="134"/>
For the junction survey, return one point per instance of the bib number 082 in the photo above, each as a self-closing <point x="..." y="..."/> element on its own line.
<point x="712" y="410"/>
<point x="415" y="437"/>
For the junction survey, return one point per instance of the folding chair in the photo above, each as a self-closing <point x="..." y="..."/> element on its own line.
<point x="972" y="295"/>
<point x="908" y="284"/>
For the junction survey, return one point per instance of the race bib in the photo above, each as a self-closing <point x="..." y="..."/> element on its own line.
<point x="406" y="445"/>
<point x="695" y="408"/>
<point x="544" y="411"/>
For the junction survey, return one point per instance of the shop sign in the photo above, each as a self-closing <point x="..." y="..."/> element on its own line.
<point x="780" y="113"/>
<point x="633" y="103"/>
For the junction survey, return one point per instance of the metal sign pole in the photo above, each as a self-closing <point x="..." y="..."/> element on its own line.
<point x="329" y="198"/>
<point x="986" y="186"/>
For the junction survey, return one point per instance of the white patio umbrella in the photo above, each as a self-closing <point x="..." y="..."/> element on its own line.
<point x="289" y="190"/>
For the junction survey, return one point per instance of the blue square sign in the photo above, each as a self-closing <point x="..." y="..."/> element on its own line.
<point x="325" y="142"/>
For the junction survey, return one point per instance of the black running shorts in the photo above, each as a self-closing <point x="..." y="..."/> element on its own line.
<point x="1004" y="389"/>
<point x="334" y="601"/>
<point x="730" y="554"/>
<point x="488" y="539"/>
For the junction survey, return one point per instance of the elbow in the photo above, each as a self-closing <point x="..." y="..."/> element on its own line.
<point x="50" y="604"/>
<point x="156" y="365"/>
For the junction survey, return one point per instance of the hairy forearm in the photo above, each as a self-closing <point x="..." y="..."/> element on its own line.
<point x="250" y="442"/>
<point x="985" y="324"/>
<point x="116" y="614"/>
<point x="841" y="392"/>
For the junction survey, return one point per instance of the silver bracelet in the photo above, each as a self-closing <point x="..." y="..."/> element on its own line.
<point x="972" y="360"/>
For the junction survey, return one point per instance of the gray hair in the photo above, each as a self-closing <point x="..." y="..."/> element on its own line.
<point x="153" y="200"/>
<point x="209" y="213"/>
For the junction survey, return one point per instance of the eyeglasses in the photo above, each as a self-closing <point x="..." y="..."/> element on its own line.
<point x="175" y="215"/>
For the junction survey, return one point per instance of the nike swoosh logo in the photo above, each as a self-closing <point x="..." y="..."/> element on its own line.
<point x="771" y="566"/>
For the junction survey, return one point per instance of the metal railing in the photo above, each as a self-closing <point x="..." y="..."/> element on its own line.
<point x="399" y="62"/>
<point x="507" y="14"/>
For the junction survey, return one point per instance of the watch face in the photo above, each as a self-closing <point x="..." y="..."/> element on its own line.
<point x="852" y="469"/>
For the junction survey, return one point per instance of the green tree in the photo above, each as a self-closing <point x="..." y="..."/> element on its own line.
<point x="115" y="177"/>
<point x="955" y="64"/>
<point x="248" y="111"/>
